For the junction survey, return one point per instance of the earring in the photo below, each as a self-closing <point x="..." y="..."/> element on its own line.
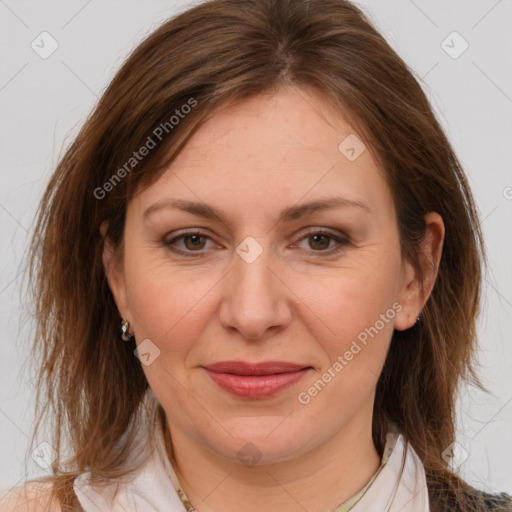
<point x="418" y="318"/>
<point x="123" y="331"/>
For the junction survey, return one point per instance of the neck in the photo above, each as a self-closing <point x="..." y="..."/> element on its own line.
<point x="318" y="480"/>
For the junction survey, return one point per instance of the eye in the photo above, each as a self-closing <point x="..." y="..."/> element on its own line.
<point x="192" y="242"/>
<point x="322" y="242"/>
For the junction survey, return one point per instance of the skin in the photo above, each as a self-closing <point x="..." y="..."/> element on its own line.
<point x="293" y="303"/>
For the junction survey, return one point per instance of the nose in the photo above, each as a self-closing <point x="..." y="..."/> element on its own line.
<point x="256" y="301"/>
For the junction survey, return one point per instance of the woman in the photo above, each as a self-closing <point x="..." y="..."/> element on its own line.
<point x="257" y="272"/>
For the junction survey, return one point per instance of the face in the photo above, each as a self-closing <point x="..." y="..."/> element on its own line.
<point x="223" y="262"/>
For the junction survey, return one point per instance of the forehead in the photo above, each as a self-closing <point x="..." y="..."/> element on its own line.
<point x="273" y="149"/>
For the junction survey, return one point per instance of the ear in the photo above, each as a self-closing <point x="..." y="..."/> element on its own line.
<point x="415" y="291"/>
<point x="115" y="274"/>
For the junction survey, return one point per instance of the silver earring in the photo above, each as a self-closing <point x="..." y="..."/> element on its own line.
<point x="123" y="331"/>
<point x="417" y="318"/>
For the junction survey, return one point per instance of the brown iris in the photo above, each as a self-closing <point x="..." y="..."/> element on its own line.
<point x="195" y="241"/>
<point x="315" y="239"/>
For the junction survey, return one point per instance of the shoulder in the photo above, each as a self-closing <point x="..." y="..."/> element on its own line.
<point x="31" y="497"/>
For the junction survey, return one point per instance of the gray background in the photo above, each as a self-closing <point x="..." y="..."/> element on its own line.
<point x="44" y="101"/>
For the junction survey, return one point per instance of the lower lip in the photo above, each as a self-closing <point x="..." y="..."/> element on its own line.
<point x="256" y="386"/>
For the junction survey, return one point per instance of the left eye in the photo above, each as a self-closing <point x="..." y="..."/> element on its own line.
<point x="321" y="242"/>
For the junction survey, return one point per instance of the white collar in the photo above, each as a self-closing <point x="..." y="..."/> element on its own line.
<point x="400" y="485"/>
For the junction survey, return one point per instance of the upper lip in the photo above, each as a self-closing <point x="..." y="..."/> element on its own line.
<point x="247" y="368"/>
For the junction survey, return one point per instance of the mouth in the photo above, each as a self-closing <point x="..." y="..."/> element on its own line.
<point x="256" y="380"/>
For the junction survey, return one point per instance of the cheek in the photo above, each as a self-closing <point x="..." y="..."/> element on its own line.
<point x="351" y="316"/>
<point x="345" y="302"/>
<point x="170" y="306"/>
<point x="172" y="313"/>
<point x="354" y="332"/>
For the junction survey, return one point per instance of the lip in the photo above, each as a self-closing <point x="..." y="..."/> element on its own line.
<point x="256" y="380"/>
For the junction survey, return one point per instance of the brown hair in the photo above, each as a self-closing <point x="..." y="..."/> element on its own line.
<point x="217" y="53"/>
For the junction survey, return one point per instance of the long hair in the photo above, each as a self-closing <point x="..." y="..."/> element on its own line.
<point x="217" y="53"/>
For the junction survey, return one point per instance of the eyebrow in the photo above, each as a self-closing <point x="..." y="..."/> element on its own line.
<point x="287" y="215"/>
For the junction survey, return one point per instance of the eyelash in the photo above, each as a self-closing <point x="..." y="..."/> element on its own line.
<point x="342" y="242"/>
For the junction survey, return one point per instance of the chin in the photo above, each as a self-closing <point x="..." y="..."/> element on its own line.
<point x="260" y="441"/>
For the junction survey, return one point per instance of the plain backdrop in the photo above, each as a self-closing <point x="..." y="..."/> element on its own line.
<point x="459" y="50"/>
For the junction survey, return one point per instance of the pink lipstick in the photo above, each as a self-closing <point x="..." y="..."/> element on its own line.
<point x="255" y="380"/>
